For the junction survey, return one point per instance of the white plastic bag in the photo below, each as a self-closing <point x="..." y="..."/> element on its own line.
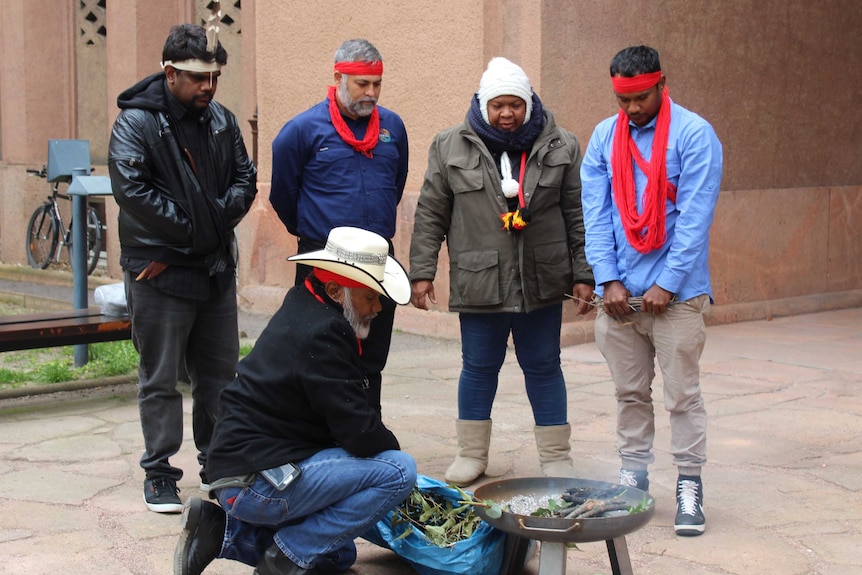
<point x="112" y="299"/>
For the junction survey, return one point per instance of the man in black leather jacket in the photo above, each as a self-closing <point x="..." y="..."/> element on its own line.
<point x="183" y="180"/>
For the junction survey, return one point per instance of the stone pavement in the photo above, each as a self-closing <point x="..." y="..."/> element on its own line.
<point x="783" y="488"/>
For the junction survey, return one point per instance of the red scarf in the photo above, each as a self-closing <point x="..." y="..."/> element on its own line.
<point x="645" y="231"/>
<point x="360" y="68"/>
<point x="518" y="220"/>
<point x="639" y="83"/>
<point x="372" y="133"/>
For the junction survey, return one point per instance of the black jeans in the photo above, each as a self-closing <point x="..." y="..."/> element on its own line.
<point x="176" y="337"/>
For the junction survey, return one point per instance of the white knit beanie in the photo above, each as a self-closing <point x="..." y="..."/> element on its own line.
<point x="504" y="78"/>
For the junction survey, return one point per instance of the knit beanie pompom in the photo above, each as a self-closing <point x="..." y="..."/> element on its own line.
<point x="504" y="78"/>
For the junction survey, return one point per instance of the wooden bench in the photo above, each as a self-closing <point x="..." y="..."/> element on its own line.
<point x="60" y="328"/>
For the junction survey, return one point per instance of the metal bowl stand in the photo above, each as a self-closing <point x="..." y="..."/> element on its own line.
<point x="556" y="533"/>
<point x="552" y="554"/>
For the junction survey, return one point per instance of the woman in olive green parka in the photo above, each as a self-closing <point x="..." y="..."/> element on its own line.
<point x="503" y="189"/>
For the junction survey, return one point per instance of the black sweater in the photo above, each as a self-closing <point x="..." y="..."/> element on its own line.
<point x="298" y="392"/>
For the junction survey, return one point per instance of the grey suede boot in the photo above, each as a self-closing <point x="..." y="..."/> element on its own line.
<point x="553" y="444"/>
<point x="472" y="459"/>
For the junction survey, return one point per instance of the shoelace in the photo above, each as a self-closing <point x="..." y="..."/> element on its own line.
<point x="164" y="486"/>
<point x="628" y="478"/>
<point x="688" y="497"/>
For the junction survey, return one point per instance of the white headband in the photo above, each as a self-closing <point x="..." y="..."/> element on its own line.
<point x="194" y="65"/>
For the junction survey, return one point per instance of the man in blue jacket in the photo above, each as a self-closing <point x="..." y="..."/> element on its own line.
<point x="651" y="177"/>
<point x="183" y="180"/>
<point x="343" y="162"/>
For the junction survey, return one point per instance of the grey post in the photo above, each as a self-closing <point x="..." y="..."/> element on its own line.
<point x="79" y="258"/>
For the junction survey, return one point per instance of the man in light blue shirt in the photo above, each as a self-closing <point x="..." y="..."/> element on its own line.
<point x="651" y="177"/>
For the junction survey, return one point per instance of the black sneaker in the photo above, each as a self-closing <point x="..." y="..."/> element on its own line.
<point x="274" y="561"/>
<point x="636" y="479"/>
<point x="162" y="495"/>
<point x="689" y="506"/>
<point x="201" y="540"/>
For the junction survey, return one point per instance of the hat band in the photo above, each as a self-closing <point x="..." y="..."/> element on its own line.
<point x="194" y="65"/>
<point x="328" y="276"/>
<point x="375" y="259"/>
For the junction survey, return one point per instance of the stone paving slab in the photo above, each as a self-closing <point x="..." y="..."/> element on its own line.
<point x="783" y="486"/>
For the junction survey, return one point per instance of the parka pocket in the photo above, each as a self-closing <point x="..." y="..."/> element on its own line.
<point x="478" y="278"/>
<point x="554" y="166"/>
<point x="464" y="174"/>
<point x="553" y="270"/>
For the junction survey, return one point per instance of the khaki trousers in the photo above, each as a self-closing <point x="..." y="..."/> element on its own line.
<point x="630" y="345"/>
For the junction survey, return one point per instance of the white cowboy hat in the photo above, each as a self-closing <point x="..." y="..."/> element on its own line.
<point x="362" y="256"/>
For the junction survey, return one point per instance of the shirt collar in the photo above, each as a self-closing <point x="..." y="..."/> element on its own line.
<point x="648" y="126"/>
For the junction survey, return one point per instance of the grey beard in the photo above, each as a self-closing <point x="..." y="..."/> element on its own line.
<point x="354" y="106"/>
<point x="361" y="326"/>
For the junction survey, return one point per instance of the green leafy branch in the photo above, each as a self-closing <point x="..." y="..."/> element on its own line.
<point x="442" y="521"/>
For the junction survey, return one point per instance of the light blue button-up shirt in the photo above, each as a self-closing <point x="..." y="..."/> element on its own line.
<point x="694" y="163"/>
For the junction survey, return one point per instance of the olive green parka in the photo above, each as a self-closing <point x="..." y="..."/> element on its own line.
<point x="461" y="201"/>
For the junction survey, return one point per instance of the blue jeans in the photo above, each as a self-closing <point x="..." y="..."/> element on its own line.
<point x="180" y="338"/>
<point x="536" y="335"/>
<point x="337" y="498"/>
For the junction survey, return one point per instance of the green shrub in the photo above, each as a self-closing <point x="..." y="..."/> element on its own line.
<point x="54" y="365"/>
<point x="113" y="358"/>
<point x="11" y="376"/>
<point x="55" y="372"/>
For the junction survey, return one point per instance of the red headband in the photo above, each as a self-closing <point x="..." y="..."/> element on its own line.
<point x="327" y="276"/>
<point x="360" y="68"/>
<point x="637" y="83"/>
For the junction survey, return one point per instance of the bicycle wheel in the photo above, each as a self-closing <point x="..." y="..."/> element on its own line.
<point x="94" y="239"/>
<point x="42" y="236"/>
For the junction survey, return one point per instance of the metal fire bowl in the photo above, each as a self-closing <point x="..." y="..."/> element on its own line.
<point x="555" y="528"/>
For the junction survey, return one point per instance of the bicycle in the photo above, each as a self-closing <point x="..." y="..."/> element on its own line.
<point x="47" y="234"/>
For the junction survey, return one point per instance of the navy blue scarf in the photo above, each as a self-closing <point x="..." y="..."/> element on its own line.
<point x="500" y="141"/>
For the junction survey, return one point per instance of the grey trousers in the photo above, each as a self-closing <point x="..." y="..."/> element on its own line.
<point x="631" y="345"/>
<point x="178" y="337"/>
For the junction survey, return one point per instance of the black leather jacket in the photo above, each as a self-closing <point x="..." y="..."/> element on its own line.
<point x="165" y="216"/>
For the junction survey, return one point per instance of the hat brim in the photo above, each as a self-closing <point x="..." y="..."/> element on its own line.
<point x="395" y="284"/>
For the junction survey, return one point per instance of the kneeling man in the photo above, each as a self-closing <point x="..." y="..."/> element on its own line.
<point x="300" y="460"/>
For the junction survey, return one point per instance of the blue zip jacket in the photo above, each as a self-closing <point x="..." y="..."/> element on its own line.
<point x="320" y="182"/>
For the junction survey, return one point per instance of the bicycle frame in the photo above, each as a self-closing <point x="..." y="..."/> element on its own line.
<point x="58" y="217"/>
<point x="62" y="235"/>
